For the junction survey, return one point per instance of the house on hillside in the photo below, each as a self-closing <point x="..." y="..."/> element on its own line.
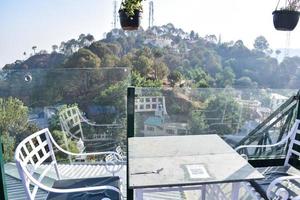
<point x="159" y="125"/>
<point x="277" y="100"/>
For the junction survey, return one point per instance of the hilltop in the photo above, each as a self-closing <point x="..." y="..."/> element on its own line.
<point x="166" y="54"/>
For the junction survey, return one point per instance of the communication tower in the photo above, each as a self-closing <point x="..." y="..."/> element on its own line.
<point x="151" y="14"/>
<point x="115" y="14"/>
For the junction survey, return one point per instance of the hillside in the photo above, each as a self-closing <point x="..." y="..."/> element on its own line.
<point x="168" y="54"/>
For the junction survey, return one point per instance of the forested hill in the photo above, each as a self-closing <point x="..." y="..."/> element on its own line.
<point x="170" y="55"/>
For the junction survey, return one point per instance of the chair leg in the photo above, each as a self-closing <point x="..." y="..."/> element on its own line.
<point x="138" y="194"/>
<point x="203" y="192"/>
<point x="235" y="191"/>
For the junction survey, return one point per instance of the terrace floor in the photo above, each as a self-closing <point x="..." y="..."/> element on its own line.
<point x="16" y="191"/>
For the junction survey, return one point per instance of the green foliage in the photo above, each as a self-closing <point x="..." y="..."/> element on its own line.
<point x="261" y="44"/>
<point x="206" y="61"/>
<point x="226" y="78"/>
<point x="175" y="77"/>
<point x="13" y="121"/>
<point x="139" y="81"/>
<point x="131" y="5"/>
<point x="13" y="115"/>
<point x="84" y="58"/>
<point x="200" y="77"/>
<point x="62" y="141"/>
<point x="100" y="49"/>
<point x="245" y="82"/>
<point x="222" y="114"/>
<point x="197" y="123"/>
<point x="9" y="147"/>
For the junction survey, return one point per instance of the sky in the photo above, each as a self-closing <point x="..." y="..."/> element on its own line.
<point x="43" y="23"/>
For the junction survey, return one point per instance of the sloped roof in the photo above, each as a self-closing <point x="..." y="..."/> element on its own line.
<point x="153" y="121"/>
<point x="16" y="192"/>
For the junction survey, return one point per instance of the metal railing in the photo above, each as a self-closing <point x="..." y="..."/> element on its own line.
<point x="273" y="129"/>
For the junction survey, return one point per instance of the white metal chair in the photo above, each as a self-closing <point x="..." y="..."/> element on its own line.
<point x="37" y="149"/>
<point x="71" y="120"/>
<point x="277" y="184"/>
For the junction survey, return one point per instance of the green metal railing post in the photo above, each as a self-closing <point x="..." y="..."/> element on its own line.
<point x="3" y="193"/>
<point x="130" y="132"/>
<point x="298" y="108"/>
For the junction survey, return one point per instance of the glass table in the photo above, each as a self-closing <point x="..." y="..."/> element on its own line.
<point x="164" y="162"/>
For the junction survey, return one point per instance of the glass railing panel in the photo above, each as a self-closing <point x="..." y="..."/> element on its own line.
<point x="31" y="100"/>
<point x="231" y="113"/>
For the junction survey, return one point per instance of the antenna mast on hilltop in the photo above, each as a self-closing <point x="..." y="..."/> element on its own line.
<point x="151" y="14"/>
<point x="115" y="14"/>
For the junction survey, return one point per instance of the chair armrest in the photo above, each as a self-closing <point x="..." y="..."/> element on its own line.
<point x="279" y="180"/>
<point x="112" y="161"/>
<point x="284" y="140"/>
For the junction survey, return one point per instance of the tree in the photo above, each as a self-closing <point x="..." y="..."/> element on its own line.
<point x="200" y="77"/>
<point x="197" y="122"/>
<point x="245" y="82"/>
<point x="143" y="65"/>
<point x="175" y="77"/>
<point x="13" y="115"/>
<point x="261" y="44"/>
<point x="110" y="61"/>
<point x="100" y="49"/>
<point x="34" y="48"/>
<point x="222" y="114"/>
<point x="84" y="58"/>
<point x="138" y="80"/>
<point x="85" y="40"/>
<point x="211" y="38"/>
<point x="225" y="78"/>
<point x="54" y="48"/>
<point x="13" y="120"/>
<point x="69" y="47"/>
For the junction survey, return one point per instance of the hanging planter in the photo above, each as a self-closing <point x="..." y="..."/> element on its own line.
<point x="286" y="18"/>
<point x="130" y="23"/>
<point x="130" y="14"/>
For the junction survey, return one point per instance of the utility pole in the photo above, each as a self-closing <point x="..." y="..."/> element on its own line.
<point x="115" y="14"/>
<point x="151" y="14"/>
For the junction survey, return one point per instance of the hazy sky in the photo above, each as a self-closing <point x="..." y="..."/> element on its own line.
<point x="25" y="23"/>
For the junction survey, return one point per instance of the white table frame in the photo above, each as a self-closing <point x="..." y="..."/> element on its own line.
<point x="203" y="186"/>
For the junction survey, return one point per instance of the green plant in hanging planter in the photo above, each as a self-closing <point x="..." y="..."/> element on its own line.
<point x="287" y="17"/>
<point x="130" y="12"/>
<point x="130" y="6"/>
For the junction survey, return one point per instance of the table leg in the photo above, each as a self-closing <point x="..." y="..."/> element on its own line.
<point x="138" y="194"/>
<point x="203" y="192"/>
<point x="235" y="191"/>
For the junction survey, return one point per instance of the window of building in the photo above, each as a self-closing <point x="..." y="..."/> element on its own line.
<point x="170" y="131"/>
<point x="181" y="132"/>
<point x="149" y="128"/>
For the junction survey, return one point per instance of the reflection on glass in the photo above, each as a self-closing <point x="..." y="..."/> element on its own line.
<point x="230" y="113"/>
<point x="32" y="99"/>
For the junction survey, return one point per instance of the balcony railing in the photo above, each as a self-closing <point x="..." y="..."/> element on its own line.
<point x="32" y="99"/>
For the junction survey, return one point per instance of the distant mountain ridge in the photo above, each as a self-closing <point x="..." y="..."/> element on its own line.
<point x="171" y="55"/>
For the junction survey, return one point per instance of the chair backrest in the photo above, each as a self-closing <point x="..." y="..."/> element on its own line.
<point x="70" y="122"/>
<point x="30" y="154"/>
<point x="294" y="146"/>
